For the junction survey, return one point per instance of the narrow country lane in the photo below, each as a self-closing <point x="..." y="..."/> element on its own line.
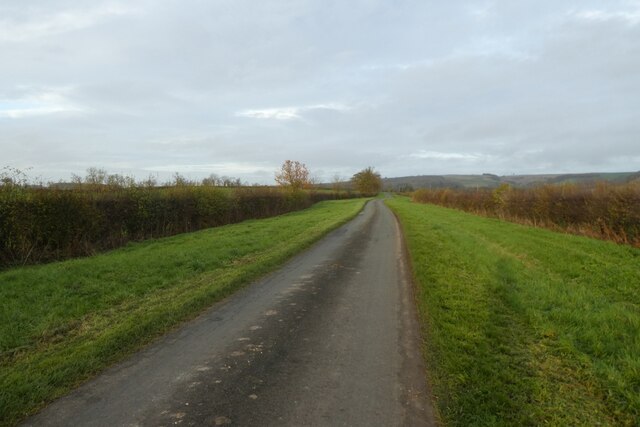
<point x="330" y="339"/>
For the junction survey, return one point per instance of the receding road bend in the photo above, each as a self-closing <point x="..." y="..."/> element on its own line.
<point x="331" y="339"/>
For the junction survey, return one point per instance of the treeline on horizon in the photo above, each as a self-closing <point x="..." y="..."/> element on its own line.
<point x="604" y="210"/>
<point x="55" y="222"/>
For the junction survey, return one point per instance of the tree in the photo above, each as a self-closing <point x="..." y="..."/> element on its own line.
<point x="96" y="176"/>
<point x="336" y="183"/>
<point x="151" y="181"/>
<point x="13" y="177"/>
<point x="367" y="181"/>
<point x="120" y="181"/>
<point x="212" y="180"/>
<point x="405" y="187"/>
<point x="179" y="180"/>
<point x="294" y="175"/>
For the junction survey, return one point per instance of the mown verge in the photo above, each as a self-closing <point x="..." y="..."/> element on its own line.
<point x="524" y="326"/>
<point x="63" y="322"/>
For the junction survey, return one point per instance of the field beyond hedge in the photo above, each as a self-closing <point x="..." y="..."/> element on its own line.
<point x="61" y="323"/>
<point x="524" y="326"/>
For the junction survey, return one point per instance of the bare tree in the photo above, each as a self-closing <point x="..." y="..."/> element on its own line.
<point x="96" y="176"/>
<point x="212" y="180"/>
<point x="117" y="180"/>
<point x="337" y="182"/>
<point x="180" y="180"/>
<point x="150" y="181"/>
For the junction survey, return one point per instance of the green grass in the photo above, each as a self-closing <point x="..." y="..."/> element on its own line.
<point x="524" y="326"/>
<point x="62" y="323"/>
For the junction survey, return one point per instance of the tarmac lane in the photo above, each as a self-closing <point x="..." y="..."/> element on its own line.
<point x="330" y="339"/>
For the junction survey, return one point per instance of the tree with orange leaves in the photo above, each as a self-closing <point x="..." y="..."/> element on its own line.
<point x="294" y="175"/>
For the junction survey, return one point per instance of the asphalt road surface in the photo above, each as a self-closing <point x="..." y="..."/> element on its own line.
<point x="330" y="339"/>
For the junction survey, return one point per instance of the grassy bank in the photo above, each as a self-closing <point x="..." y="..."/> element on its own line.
<point x="524" y="326"/>
<point x="63" y="322"/>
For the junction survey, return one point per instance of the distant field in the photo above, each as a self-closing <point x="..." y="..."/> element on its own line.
<point x="492" y="181"/>
<point x="524" y="326"/>
<point x="60" y="323"/>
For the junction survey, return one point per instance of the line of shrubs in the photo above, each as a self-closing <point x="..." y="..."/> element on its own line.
<point x="46" y="224"/>
<point x="604" y="211"/>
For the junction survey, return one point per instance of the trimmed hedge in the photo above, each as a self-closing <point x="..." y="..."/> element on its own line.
<point x="46" y="224"/>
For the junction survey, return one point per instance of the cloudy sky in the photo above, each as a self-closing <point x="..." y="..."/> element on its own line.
<point x="234" y="87"/>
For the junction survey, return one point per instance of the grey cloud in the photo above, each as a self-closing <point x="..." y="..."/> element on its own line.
<point x="410" y="87"/>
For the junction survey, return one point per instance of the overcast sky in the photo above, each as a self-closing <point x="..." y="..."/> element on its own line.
<point x="234" y="87"/>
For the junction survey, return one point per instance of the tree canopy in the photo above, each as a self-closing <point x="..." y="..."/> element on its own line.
<point x="294" y="175"/>
<point x="367" y="181"/>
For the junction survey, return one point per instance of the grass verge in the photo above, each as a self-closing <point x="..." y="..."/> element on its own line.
<point x="524" y="326"/>
<point x="62" y="323"/>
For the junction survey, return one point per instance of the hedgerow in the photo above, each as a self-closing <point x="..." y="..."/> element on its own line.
<point x="46" y="224"/>
<point x="604" y="211"/>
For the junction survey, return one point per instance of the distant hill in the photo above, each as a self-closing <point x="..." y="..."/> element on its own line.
<point x="408" y="183"/>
